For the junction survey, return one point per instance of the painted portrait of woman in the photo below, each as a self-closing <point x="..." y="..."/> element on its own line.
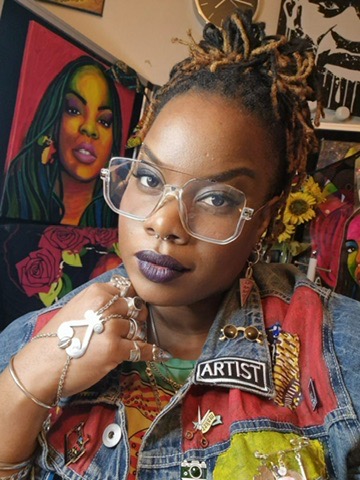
<point x="77" y="126"/>
<point x="349" y="275"/>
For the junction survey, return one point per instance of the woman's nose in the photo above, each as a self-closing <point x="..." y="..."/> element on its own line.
<point x="165" y="222"/>
<point x="89" y="128"/>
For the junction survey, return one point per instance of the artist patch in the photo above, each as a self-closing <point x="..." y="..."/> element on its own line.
<point x="234" y="372"/>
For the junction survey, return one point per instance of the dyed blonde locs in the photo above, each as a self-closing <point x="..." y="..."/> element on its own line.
<point x="270" y="77"/>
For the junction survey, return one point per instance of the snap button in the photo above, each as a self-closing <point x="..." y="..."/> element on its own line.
<point x="111" y="436"/>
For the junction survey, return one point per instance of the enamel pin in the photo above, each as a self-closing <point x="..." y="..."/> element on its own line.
<point x="75" y="442"/>
<point x="203" y="425"/>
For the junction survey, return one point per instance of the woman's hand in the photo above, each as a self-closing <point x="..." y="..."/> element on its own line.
<point x="39" y="365"/>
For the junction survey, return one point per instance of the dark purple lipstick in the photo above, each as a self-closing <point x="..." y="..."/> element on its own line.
<point x="159" y="268"/>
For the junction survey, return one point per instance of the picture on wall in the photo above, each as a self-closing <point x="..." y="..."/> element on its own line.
<point x="333" y="29"/>
<point x="70" y="117"/>
<point x="91" y="6"/>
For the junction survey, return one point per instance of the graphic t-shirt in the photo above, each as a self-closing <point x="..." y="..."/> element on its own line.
<point x="142" y="396"/>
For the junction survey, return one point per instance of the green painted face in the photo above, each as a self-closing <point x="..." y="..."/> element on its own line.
<point x="353" y="248"/>
<point x="86" y="128"/>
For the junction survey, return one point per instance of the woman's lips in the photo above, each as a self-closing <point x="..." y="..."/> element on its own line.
<point x="85" y="153"/>
<point x="159" y="268"/>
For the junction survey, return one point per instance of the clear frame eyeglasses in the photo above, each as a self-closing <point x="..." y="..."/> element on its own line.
<point x="208" y="210"/>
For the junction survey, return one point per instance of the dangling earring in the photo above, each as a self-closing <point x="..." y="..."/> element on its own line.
<point x="47" y="155"/>
<point x="247" y="283"/>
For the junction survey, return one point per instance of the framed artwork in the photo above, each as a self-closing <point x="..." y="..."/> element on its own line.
<point x="333" y="236"/>
<point x="64" y="116"/>
<point x="333" y="30"/>
<point x="91" y="6"/>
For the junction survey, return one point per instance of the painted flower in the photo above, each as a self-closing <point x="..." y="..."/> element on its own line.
<point x="50" y="271"/>
<point x="299" y="208"/>
<point x="38" y="271"/>
<point x="105" y="237"/>
<point x="65" y="238"/>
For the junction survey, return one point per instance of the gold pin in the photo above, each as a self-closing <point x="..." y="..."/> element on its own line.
<point x="250" y="333"/>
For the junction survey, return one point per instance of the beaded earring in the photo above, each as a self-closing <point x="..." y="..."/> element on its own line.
<point x="47" y="155"/>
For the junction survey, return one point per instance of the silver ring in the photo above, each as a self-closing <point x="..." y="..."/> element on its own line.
<point x="122" y="283"/>
<point x="136" y="331"/>
<point x="135" y="353"/>
<point x="134" y="306"/>
<point x="158" y="354"/>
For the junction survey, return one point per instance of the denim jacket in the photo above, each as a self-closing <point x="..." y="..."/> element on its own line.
<point x="286" y="404"/>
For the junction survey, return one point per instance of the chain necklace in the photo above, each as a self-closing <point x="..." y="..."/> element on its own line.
<point x="152" y="368"/>
<point x="154" y="386"/>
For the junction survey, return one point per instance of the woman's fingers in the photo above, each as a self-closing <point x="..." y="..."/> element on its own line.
<point x="142" y="351"/>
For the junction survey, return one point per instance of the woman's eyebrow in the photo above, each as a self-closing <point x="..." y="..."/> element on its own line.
<point x="84" y="102"/>
<point x="147" y="151"/>
<point x="217" y="177"/>
<point x="230" y="174"/>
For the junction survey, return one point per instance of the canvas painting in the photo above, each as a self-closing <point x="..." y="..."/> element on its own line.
<point x="333" y="30"/>
<point x="70" y="118"/>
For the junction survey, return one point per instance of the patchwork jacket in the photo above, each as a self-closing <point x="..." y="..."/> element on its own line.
<point x="278" y="400"/>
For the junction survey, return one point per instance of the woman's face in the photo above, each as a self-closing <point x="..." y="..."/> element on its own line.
<point x="353" y="249"/>
<point x="86" y="132"/>
<point x="198" y="135"/>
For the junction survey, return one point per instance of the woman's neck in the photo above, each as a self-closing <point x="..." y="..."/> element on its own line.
<point x="76" y="197"/>
<point x="183" y="330"/>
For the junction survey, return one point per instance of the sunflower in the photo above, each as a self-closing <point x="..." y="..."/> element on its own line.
<point x="287" y="233"/>
<point x="313" y="188"/>
<point x="299" y="208"/>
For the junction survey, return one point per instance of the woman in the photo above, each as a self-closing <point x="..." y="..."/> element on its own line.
<point x="75" y="131"/>
<point x="192" y="360"/>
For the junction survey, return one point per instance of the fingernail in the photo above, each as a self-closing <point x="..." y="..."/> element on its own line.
<point x="166" y="355"/>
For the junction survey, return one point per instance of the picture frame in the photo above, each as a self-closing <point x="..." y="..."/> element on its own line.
<point x="95" y="7"/>
<point x="36" y="52"/>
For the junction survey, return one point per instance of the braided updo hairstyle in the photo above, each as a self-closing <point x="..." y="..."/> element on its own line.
<point x="270" y="77"/>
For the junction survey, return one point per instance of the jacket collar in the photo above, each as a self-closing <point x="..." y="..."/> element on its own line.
<point x="237" y="362"/>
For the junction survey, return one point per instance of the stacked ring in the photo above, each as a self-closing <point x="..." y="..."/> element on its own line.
<point x="136" y="331"/>
<point x="122" y="283"/>
<point x="134" y="306"/>
<point x="158" y="354"/>
<point x="135" y="354"/>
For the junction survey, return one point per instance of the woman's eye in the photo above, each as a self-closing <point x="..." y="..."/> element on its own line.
<point x="72" y="106"/>
<point x="73" y="111"/>
<point x="106" y="121"/>
<point x="330" y="8"/>
<point x="148" y="179"/>
<point x="216" y="200"/>
<point x="351" y="246"/>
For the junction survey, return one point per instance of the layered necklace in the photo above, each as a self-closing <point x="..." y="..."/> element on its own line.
<point x="162" y="371"/>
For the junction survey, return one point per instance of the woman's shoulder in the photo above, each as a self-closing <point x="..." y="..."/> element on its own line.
<point x="283" y="279"/>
